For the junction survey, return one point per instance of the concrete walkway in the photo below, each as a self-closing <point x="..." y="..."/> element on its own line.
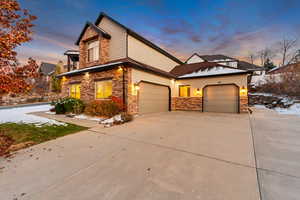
<point x="277" y="147"/>
<point x="177" y="155"/>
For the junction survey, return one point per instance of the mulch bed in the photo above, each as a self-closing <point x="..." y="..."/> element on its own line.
<point x="5" y="143"/>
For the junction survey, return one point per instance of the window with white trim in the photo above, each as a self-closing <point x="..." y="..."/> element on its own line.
<point x="93" y="51"/>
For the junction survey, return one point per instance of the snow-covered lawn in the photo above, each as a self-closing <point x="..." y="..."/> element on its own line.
<point x="20" y="115"/>
<point x="292" y="110"/>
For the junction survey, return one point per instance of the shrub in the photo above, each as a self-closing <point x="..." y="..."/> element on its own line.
<point x="118" y="101"/>
<point x="107" y="108"/>
<point x="68" y="105"/>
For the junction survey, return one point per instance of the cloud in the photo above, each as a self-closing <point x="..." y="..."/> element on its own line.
<point x="58" y="43"/>
<point x="39" y="55"/>
<point x="180" y="28"/>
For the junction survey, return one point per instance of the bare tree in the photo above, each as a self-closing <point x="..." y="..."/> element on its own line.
<point x="286" y="45"/>
<point x="265" y="54"/>
<point x="251" y="57"/>
<point x="295" y="57"/>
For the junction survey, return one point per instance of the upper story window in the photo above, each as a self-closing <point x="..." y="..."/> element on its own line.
<point x="184" y="91"/>
<point x="75" y="91"/>
<point x="93" y="51"/>
<point x="103" y="89"/>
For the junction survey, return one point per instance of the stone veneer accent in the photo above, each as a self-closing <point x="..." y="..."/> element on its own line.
<point x="90" y="35"/>
<point x="244" y="104"/>
<point x="186" y="103"/>
<point x="87" y="83"/>
<point x="195" y="103"/>
<point x="132" y="99"/>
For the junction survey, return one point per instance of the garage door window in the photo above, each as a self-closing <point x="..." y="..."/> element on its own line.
<point x="103" y="89"/>
<point x="184" y="91"/>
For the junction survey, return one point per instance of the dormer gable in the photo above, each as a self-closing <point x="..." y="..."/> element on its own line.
<point x="195" y="58"/>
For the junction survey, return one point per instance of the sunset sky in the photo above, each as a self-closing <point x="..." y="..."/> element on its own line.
<point x="230" y="27"/>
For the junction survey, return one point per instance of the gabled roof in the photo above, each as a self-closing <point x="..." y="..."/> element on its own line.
<point x="47" y="68"/>
<point x="95" y="28"/>
<point x="194" y="54"/>
<point x="194" y="70"/>
<point x="211" y="58"/>
<point x="248" y="66"/>
<point x="139" y="37"/>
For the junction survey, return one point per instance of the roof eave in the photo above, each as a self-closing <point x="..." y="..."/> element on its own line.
<point x="136" y="35"/>
<point x="213" y="75"/>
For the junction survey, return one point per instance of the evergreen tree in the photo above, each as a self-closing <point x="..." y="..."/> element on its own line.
<point x="268" y="65"/>
<point x="56" y="82"/>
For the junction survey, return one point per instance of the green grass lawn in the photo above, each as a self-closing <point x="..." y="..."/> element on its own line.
<point x="30" y="132"/>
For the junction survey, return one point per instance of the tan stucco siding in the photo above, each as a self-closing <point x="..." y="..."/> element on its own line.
<point x="117" y="43"/>
<point x="141" y="52"/>
<point x="138" y="76"/>
<point x="239" y="80"/>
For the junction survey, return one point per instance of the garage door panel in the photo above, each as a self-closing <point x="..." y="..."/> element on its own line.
<point x="221" y="98"/>
<point x="153" y="98"/>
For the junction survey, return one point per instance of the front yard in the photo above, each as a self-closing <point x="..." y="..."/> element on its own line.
<point x="19" y="129"/>
<point x="19" y="135"/>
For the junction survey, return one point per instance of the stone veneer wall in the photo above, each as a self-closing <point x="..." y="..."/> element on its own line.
<point x="90" y="35"/>
<point x="195" y="104"/>
<point x="87" y="83"/>
<point x="132" y="99"/>
<point x="186" y="103"/>
<point x="243" y="104"/>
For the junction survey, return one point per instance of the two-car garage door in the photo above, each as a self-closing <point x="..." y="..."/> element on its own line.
<point x="221" y="98"/>
<point x="216" y="98"/>
<point x="153" y="98"/>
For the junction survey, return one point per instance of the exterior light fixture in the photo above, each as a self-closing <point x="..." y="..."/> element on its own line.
<point x="198" y="92"/>
<point x="243" y="91"/>
<point x="120" y="68"/>
<point x="64" y="79"/>
<point x="136" y="86"/>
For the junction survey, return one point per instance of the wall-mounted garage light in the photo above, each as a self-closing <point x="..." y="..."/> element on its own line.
<point x="137" y="87"/>
<point x="134" y="89"/>
<point x="243" y="91"/>
<point x="198" y="92"/>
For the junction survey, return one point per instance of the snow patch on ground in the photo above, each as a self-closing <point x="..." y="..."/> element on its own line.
<point x="261" y="94"/>
<point x="213" y="71"/>
<point x="117" y="118"/>
<point x="82" y="116"/>
<point x="292" y="110"/>
<point x="260" y="106"/>
<point x="20" y="115"/>
<point x="263" y="79"/>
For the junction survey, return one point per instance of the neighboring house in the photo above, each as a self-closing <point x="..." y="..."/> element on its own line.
<point x="286" y="68"/>
<point x="228" y="61"/>
<point x="116" y="61"/>
<point x="43" y="82"/>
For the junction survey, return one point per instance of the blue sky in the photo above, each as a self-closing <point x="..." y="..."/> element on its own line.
<point x="230" y="27"/>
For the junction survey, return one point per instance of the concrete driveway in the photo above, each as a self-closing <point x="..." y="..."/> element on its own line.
<point x="277" y="148"/>
<point x="177" y="155"/>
